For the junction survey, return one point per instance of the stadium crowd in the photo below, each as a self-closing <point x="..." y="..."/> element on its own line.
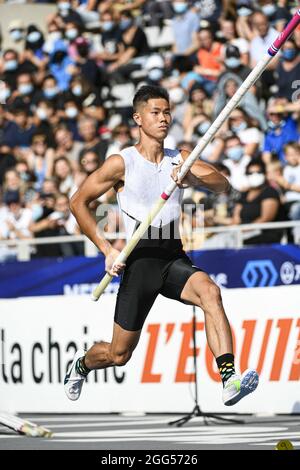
<point x="65" y="93"/>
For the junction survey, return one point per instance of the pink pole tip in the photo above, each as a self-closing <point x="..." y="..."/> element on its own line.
<point x="290" y="27"/>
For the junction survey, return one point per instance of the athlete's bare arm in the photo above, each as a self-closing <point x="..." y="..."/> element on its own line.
<point x="110" y="174"/>
<point x="203" y="174"/>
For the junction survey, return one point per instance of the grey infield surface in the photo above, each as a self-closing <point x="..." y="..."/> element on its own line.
<point x="152" y="432"/>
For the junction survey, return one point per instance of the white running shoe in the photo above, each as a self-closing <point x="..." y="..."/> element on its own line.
<point x="73" y="381"/>
<point x="237" y="387"/>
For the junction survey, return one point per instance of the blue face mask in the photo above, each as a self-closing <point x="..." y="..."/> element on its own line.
<point x="16" y="34"/>
<point x="273" y="126"/>
<point x="180" y="8"/>
<point x="203" y="127"/>
<point x="10" y="65"/>
<point x="50" y="92"/>
<point x="155" y="75"/>
<point x="34" y="36"/>
<point x="269" y="9"/>
<point x="37" y="211"/>
<point x="25" y="88"/>
<point x="244" y="11"/>
<point x="235" y="153"/>
<point x="241" y="127"/>
<point x="289" y="54"/>
<point x="232" y="62"/>
<point x="108" y="25"/>
<point x="71" y="33"/>
<point x="125" y="24"/>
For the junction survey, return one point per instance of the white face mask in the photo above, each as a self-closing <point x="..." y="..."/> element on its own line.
<point x="177" y="95"/>
<point x="71" y="113"/>
<point x="256" y="179"/>
<point x="41" y="114"/>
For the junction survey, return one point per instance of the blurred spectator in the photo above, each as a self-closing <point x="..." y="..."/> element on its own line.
<point x="209" y="59"/>
<point x="25" y="94"/>
<point x="259" y="204"/>
<point x="65" y="14"/>
<point x="89" y="162"/>
<point x="158" y="11"/>
<point x="250" y="136"/>
<point x="133" y="51"/>
<point x="40" y="159"/>
<point x="63" y="175"/>
<point x="227" y="87"/>
<point x="185" y="25"/>
<point x="86" y="66"/>
<point x="120" y="138"/>
<point x="288" y="70"/>
<point x="233" y="63"/>
<point x="34" y="46"/>
<point x="19" y="131"/>
<point x="66" y="146"/>
<point x="282" y="129"/>
<point x="111" y="37"/>
<point x="237" y="161"/>
<point x="87" y="97"/>
<point x="15" y="223"/>
<point x="56" y="220"/>
<point x="7" y="160"/>
<point x="290" y="180"/>
<point x="92" y="141"/>
<point x="229" y="33"/>
<point x="16" y="30"/>
<point x="60" y="65"/>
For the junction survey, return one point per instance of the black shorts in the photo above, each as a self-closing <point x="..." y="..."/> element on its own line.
<point x="143" y="279"/>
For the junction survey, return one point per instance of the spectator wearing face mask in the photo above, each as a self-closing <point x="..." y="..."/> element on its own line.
<point x="277" y="13"/>
<point x="10" y="68"/>
<point x="236" y="160"/>
<point x="111" y="37"/>
<point x="66" y="14"/>
<point x="34" y="46"/>
<point x="69" y="115"/>
<point x="288" y="70"/>
<point x="45" y="119"/>
<point x="260" y="204"/>
<point x="233" y="63"/>
<point x="249" y="134"/>
<point x="51" y="92"/>
<point x="87" y="98"/>
<point x="134" y="49"/>
<point x="7" y="160"/>
<point x="25" y="94"/>
<point x="185" y="25"/>
<point x="229" y="33"/>
<point x="16" y="31"/>
<point x="282" y="129"/>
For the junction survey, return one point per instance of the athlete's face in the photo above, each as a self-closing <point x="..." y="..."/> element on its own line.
<point x="154" y="118"/>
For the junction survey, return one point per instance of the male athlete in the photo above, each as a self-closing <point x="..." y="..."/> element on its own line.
<point x="158" y="264"/>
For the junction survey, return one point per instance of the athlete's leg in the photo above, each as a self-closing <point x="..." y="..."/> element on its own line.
<point x="116" y="353"/>
<point x="201" y="291"/>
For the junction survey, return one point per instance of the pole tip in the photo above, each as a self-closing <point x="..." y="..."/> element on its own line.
<point x="94" y="298"/>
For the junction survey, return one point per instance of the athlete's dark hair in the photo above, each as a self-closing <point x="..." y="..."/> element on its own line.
<point x="149" y="92"/>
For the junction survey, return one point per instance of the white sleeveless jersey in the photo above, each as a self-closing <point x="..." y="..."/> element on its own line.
<point x="144" y="183"/>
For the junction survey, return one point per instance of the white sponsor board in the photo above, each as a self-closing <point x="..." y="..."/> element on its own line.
<point x="39" y="336"/>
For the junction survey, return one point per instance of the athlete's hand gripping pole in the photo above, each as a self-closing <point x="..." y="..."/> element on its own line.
<point x="208" y="136"/>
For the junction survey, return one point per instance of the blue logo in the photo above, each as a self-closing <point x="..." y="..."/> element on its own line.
<point x="259" y="273"/>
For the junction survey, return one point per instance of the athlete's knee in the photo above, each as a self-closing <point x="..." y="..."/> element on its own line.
<point x="210" y="293"/>
<point x="120" y="358"/>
